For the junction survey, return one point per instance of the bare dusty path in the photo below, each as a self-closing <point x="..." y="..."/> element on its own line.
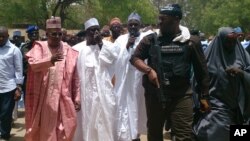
<point x="18" y="130"/>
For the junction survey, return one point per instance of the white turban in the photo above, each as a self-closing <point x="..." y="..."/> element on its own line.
<point x="91" y="22"/>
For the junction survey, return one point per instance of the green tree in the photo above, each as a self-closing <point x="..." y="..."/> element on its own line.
<point x="64" y="8"/>
<point x="73" y="12"/>
<point x="105" y="10"/>
<point x="13" y="12"/>
<point x="209" y="15"/>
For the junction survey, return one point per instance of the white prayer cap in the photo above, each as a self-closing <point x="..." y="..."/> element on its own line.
<point x="91" y="22"/>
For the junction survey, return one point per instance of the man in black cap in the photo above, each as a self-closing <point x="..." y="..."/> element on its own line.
<point x="167" y="76"/>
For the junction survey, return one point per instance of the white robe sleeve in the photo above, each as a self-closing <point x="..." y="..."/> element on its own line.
<point x="108" y="54"/>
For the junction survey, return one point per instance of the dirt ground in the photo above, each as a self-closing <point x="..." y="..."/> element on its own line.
<point x="18" y="130"/>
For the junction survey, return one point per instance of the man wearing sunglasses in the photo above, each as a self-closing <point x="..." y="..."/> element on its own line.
<point x="115" y="28"/>
<point x="52" y="96"/>
<point x="96" y="119"/>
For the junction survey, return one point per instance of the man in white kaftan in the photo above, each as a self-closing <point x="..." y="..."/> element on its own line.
<point x="131" y="110"/>
<point x="96" y="119"/>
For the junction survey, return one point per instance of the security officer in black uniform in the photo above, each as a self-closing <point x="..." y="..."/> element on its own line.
<point x="167" y="76"/>
<point x="33" y="35"/>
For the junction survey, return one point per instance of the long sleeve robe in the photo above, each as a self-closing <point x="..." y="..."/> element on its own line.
<point x="131" y="111"/>
<point x="51" y="93"/>
<point x="96" y="119"/>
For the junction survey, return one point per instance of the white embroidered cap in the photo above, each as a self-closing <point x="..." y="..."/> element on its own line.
<point x="91" y="22"/>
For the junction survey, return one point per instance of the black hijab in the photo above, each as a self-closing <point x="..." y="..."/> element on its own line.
<point x="234" y="91"/>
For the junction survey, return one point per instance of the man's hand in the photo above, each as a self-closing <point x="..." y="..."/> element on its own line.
<point x="98" y="38"/>
<point x="17" y="95"/>
<point x="233" y="71"/>
<point x="204" y="105"/>
<point x="56" y="57"/>
<point x="131" y="41"/>
<point x="152" y="76"/>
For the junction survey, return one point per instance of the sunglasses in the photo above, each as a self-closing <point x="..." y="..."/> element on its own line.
<point x="55" y="34"/>
<point x="94" y="29"/>
<point x="34" y="32"/>
<point x="115" y="27"/>
<point x="133" y="24"/>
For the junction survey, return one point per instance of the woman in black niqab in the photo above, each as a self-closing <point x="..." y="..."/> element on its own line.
<point x="229" y="94"/>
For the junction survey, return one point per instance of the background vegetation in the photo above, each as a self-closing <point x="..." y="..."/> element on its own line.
<point x="204" y="15"/>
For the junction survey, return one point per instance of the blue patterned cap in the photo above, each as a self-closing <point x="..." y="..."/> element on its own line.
<point x="32" y="28"/>
<point x="134" y="16"/>
<point x="16" y="33"/>
<point x="237" y="30"/>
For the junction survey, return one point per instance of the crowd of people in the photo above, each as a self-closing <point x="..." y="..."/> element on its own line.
<point x="116" y="83"/>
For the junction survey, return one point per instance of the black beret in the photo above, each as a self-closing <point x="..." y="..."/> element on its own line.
<point x="172" y="10"/>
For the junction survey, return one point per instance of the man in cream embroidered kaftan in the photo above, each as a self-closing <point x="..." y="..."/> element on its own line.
<point x="96" y="119"/>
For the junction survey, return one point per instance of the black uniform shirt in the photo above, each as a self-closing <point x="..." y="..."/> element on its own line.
<point x="194" y="56"/>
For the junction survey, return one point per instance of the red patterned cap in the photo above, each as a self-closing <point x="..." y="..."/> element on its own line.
<point x="53" y="22"/>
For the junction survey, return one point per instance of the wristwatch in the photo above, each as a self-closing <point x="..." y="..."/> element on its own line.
<point x="19" y="88"/>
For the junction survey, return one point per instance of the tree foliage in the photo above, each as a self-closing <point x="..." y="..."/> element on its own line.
<point x="72" y="12"/>
<point x="105" y="10"/>
<point x="209" y="15"/>
<point x="14" y="12"/>
<point x="205" y="15"/>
